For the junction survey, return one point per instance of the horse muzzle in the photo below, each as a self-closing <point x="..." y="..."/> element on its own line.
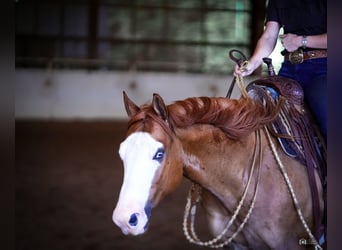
<point x="132" y="221"/>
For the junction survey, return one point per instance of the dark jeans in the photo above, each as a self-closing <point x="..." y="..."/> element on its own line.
<point x="312" y="76"/>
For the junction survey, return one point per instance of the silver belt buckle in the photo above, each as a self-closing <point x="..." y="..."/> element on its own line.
<point x="296" y="57"/>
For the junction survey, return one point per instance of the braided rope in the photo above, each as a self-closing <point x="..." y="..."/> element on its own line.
<point x="293" y="195"/>
<point x="240" y="82"/>
<point x="192" y="236"/>
<point x="285" y="121"/>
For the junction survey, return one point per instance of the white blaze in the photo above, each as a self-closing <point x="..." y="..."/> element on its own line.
<point x="137" y="153"/>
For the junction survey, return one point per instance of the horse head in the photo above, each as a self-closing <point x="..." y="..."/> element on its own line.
<point x="149" y="174"/>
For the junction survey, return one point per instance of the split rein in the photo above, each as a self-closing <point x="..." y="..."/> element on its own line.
<point x="192" y="201"/>
<point x="293" y="195"/>
<point x="191" y="205"/>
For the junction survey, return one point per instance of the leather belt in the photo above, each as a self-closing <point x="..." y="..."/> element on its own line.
<point x="299" y="56"/>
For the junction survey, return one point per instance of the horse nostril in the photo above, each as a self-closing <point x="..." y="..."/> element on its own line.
<point x="133" y="220"/>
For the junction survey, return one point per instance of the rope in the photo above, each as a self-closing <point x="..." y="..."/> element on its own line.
<point x="240" y="82"/>
<point x="280" y="164"/>
<point x="192" y="236"/>
<point x="293" y="195"/>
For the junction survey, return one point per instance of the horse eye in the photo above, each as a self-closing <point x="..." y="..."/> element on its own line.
<point x="159" y="155"/>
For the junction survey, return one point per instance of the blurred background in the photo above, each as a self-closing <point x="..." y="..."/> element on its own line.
<point x="74" y="58"/>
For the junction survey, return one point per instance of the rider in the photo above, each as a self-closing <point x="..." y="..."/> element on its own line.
<point x="305" y="36"/>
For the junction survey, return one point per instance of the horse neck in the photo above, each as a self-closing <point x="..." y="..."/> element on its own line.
<point x="214" y="161"/>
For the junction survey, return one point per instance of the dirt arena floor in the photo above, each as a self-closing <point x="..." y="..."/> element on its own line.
<point x="68" y="177"/>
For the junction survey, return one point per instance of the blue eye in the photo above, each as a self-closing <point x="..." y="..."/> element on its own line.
<point x="159" y="155"/>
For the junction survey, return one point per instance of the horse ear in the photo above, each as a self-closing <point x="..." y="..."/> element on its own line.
<point x="159" y="106"/>
<point x="130" y="106"/>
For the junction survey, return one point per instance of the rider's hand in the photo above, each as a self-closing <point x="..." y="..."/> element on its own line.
<point x="291" y="42"/>
<point x="245" y="70"/>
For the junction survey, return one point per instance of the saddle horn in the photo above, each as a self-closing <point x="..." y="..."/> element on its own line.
<point x="268" y="62"/>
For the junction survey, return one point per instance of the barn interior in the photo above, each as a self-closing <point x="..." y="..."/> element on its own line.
<point x="73" y="60"/>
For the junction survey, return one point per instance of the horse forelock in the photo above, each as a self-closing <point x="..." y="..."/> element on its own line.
<point x="146" y="119"/>
<point x="235" y="117"/>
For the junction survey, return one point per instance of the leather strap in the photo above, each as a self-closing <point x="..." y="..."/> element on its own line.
<point x="310" y="54"/>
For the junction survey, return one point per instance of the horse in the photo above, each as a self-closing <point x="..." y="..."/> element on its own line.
<point x="223" y="147"/>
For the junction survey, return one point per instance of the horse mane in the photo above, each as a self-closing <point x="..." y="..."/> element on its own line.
<point x="235" y="117"/>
